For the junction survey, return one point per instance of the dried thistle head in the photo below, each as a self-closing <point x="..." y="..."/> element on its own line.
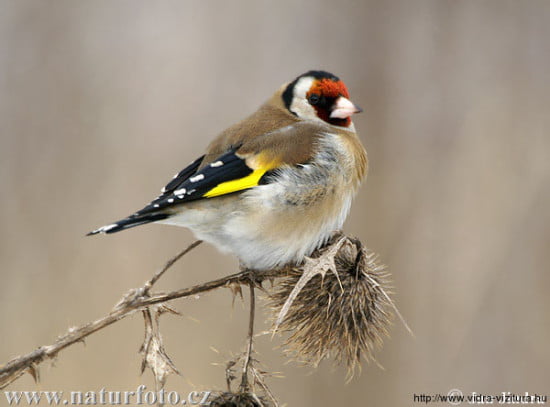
<point x="229" y="399"/>
<point x="335" y="305"/>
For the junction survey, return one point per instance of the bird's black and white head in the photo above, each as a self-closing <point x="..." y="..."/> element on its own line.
<point x="320" y="95"/>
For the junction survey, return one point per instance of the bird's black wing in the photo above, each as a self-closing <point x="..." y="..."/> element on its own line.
<point x="227" y="174"/>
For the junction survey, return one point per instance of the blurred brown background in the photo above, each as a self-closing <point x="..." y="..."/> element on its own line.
<point x="101" y="102"/>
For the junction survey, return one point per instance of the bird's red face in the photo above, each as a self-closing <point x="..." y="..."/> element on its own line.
<point x="330" y="99"/>
<point x="320" y="95"/>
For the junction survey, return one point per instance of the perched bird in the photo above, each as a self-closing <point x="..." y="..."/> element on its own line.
<point x="273" y="187"/>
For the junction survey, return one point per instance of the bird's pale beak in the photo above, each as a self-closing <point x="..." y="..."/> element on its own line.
<point x="344" y="108"/>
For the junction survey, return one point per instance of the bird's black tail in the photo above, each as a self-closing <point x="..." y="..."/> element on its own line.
<point x="129" y="222"/>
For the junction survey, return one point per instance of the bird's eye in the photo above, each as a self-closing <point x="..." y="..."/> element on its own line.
<point x="314" y="99"/>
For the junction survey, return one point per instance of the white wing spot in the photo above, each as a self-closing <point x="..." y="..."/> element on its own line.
<point x="218" y="163"/>
<point x="170" y="200"/>
<point x="180" y="196"/>
<point x="181" y="191"/>
<point x="156" y="205"/>
<point x="197" y="178"/>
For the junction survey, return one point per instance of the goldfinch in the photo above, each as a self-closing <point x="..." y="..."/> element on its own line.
<point x="273" y="187"/>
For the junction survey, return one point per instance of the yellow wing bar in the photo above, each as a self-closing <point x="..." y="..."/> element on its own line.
<point x="228" y="187"/>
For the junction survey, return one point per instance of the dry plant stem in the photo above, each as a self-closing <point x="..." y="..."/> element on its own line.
<point x="260" y="381"/>
<point x="250" y="338"/>
<point x="169" y="264"/>
<point x="133" y="301"/>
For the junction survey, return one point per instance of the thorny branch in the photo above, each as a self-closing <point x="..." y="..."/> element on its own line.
<point x="133" y="301"/>
<point x="335" y="303"/>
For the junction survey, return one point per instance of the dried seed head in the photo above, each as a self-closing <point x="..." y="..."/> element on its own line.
<point x="229" y="399"/>
<point x="343" y="313"/>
